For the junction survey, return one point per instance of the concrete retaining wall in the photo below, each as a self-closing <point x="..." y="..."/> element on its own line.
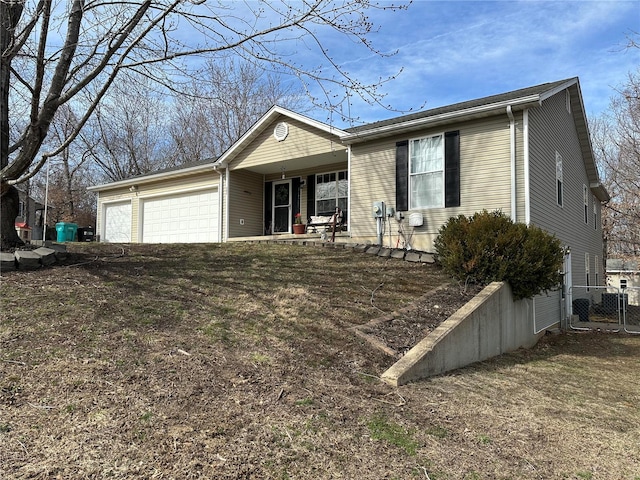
<point x="492" y="323"/>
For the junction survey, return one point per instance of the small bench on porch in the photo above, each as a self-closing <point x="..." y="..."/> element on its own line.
<point x="326" y="221"/>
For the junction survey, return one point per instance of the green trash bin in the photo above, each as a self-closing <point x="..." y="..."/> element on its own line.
<point x="61" y="232"/>
<point x="72" y="231"/>
<point x="66" y="232"/>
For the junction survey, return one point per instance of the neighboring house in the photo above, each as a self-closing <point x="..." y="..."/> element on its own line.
<point x="526" y="152"/>
<point x="624" y="274"/>
<point x="28" y="221"/>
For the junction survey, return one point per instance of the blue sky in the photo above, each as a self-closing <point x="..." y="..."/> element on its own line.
<point x="452" y="51"/>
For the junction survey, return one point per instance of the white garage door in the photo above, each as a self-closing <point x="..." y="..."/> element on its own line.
<point x="184" y="218"/>
<point x="117" y="223"/>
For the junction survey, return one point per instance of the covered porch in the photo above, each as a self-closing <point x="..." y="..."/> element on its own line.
<point x="285" y="170"/>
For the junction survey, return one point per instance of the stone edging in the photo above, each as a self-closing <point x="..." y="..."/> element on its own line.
<point x="384" y="252"/>
<point x="53" y="253"/>
<point x="32" y="259"/>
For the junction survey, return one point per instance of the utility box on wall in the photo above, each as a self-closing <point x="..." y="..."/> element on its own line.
<point x="416" y="219"/>
<point x="378" y="210"/>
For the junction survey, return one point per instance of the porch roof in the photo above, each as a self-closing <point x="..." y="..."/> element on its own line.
<point x="274" y="112"/>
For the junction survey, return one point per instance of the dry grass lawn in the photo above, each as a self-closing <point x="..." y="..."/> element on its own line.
<point x="237" y="361"/>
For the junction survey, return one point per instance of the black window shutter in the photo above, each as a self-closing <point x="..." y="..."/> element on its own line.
<point x="402" y="176"/>
<point x="295" y="196"/>
<point x="452" y="169"/>
<point x="311" y="195"/>
<point x="268" y="205"/>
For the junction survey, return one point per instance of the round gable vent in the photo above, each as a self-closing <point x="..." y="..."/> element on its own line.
<point x="281" y="131"/>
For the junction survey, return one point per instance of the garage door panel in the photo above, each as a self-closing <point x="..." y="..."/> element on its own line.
<point x="184" y="218"/>
<point x="117" y="223"/>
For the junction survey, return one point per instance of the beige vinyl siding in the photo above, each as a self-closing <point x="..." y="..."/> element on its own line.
<point x="485" y="165"/>
<point x="302" y="141"/>
<point x="372" y="178"/>
<point x="246" y="191"/>
<point x="485" y="179"/>
<point x="247" y="197"/>
<point x="551" y="129"/>
<point x="195" y="182"/>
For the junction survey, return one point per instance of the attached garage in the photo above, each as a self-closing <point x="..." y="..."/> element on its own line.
<point x="117" y="222"/>
<point x="175" y="205"/>
<point x="181" y="218"/>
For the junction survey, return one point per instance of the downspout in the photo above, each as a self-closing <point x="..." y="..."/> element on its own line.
<point x="349" y="190"/>
<point x="99" y="221"/>
<point x="512" y="142"/>
<point x="221" y="201"/>
<point x="226" y="204"/>
<point x="527" y="189"/>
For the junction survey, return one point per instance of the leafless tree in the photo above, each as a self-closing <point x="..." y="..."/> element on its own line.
<point x="69" y="161"/>
<point x="230" y="99"/>
<point x="127" y="134"/>
<point x="616" y="139"/>
<point x="67" y="174"/>
<point x="52" y="52"/>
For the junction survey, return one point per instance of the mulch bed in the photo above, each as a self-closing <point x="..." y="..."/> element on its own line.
<point x="398" y="332"/>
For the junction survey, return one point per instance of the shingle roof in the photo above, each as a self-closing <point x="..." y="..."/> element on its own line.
<point x="185" y="168"/>
<point x="461" y="106"/>
<point x="209" y="161"/>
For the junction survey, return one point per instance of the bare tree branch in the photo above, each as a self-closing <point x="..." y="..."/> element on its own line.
<point x="52" y="52"/>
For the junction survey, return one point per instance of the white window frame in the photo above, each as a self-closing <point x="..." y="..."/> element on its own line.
<point x="337" y="189"/>
<point x="585" y="198"/>
<point x="559" y="181"/>
<point x="413" y="176"/>
<point x="595" y="213"/>
<point x="596" y="270"/>
<point x="587" y="270"/>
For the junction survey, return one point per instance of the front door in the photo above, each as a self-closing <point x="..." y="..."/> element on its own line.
<point x="282" y="206"/>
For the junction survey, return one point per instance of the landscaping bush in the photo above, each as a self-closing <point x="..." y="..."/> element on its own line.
<point x="489" y="247"/>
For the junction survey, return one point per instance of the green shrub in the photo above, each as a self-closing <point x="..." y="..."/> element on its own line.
<point x="489" y="247"/>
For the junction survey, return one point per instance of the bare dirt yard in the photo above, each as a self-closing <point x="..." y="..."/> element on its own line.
<point x="239" y="361"/>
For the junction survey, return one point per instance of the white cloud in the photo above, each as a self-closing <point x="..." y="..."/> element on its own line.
<point x="454" y="51"/>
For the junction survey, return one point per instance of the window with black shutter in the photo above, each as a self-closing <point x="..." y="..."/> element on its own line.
<point x="428" y="172"/>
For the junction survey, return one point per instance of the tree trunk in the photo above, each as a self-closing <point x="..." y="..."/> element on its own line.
<point x="9" y="206"/>
<point x="10" y="13"/>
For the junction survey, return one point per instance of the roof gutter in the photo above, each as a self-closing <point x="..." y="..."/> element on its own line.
<point x="600" y="191"/>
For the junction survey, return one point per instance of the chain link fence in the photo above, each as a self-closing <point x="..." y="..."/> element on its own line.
<point x="603" y="307"/>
